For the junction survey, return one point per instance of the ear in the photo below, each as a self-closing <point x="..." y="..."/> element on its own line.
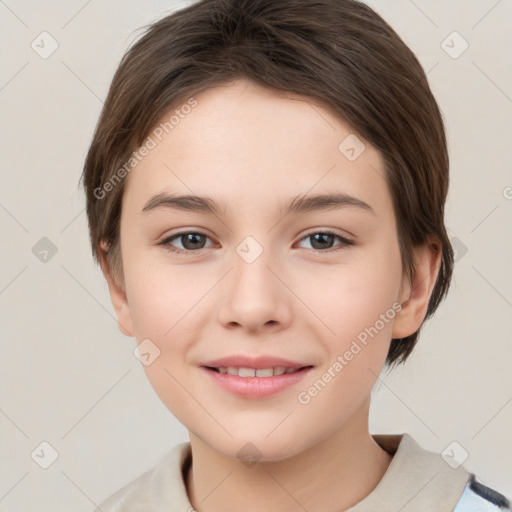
<point x="415" y="295"/>
<point x="117" y="295"/>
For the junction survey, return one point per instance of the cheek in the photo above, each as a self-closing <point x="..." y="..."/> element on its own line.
<point x="161" y="297"/>
<point x="358" y="307"/>
<point x="167" y="306"/>
<point x="358" y="303"/>
<point x="164" y="308"/>
<point x="353" y="297"/>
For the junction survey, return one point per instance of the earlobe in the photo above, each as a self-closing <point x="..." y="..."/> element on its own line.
<point x="117" y="294"/>
<point x="416" y="295"/>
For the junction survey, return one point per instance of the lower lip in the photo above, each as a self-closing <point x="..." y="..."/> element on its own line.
<point x="256" y="387"/>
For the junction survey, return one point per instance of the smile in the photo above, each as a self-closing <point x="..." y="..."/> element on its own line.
<point x="255" y="383"/>
<point x="253" y="372"/>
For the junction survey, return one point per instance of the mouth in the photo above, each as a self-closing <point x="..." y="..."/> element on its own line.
<point x="255" y="372"/>
<point x="255" y="383"/>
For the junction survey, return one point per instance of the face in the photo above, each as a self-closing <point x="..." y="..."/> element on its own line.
<point x="263" y="268"/>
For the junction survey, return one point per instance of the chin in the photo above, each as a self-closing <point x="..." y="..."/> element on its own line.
<point x="252" y="447"/>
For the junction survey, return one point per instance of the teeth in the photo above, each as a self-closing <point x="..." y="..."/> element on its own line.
<point x="265" y="372"/>
<point x="252" y="372"/>
<point x="246" y="372"/>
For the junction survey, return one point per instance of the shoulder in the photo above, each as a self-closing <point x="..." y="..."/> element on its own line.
<point x="418" y="479"/>
<point x="162" y="487"/>
<point x="477" y="497"/>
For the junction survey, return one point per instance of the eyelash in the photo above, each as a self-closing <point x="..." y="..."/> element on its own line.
<point x="345" y="242"/>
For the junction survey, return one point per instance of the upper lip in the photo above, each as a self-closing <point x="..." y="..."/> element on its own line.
<point x="258" y="363"/>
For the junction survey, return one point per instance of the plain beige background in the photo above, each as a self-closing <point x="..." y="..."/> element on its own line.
<point x="69" y="377"/>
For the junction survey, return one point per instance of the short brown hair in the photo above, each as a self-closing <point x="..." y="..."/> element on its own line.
<point x="337" y="52"/>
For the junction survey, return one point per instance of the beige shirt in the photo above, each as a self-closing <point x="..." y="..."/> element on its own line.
<point x="416" y="481"/>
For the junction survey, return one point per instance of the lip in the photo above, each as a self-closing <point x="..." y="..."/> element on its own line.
<point x="255" y="387"/>
<point x="258" y="363"/>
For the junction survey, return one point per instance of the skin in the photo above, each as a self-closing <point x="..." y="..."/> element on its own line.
<point x="252" y="150"/>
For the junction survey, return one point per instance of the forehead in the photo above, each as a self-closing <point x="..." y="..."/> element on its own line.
<point x="242" y="141"/>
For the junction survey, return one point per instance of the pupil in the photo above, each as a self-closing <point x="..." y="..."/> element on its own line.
<point x="193" y="239"/>
<point x="324" y="236"/>
<point x="322" y="240"/>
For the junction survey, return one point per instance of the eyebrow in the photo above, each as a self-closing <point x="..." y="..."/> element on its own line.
<point x="299" y="204"/>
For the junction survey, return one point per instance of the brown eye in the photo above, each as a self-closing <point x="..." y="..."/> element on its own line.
<point x="191" y="241"/>
<point x="322" y="241"/>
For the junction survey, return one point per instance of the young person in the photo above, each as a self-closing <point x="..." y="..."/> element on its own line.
<point x="265" y="195"/>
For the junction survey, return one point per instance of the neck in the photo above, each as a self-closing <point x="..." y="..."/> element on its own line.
<point x="331" y="476"/>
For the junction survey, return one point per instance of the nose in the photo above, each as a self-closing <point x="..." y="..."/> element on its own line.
<point x="254" y="297"/>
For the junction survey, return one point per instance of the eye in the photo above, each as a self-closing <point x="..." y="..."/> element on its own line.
<point x="191" y="241"/>
<point x="322" y="240"/>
